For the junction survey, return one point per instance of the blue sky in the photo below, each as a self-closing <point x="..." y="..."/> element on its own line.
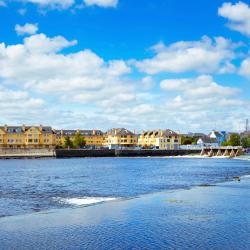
<point x="145" y="64"/>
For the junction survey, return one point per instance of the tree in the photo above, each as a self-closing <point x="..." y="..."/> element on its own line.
<point x="67" y="142"/>
<point x="79" y="140"/>
<point x="234" y="140"/>
<point x="188" y="140"/>
<point x="245" y="142"/>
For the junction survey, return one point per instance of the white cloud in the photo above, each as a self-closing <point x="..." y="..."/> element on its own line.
<point x="238" y="15"/>
<point x="102" y="3"/>
<point x="82" y="76"/>
<point x="148" y="82"/>
<point x="60" y="4"/>
<point x="28" y="28"/>
<point x="203" y="56"/>
<point x="245" y="68"/>
<point x="64" y="4"/>
<point x="201" y="87"/>
<point x="81" y="89"/>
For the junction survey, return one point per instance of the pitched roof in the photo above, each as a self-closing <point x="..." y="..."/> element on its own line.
<point x="119" y="131"/>
<point x="207" y="139"/>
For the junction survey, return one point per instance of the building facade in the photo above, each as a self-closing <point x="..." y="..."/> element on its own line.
<point x="160" y="139"/>
<point x="120" y="138"/>
<point x="93" y="138"/>
<point x="27" y="137"/>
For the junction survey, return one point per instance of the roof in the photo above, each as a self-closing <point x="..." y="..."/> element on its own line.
<point x="119" y="131"/>
<point x="167" y="132"/>
<point x="72" y="132"/>
<point x="216" y="133"/>
<point x="206" y="139"/>
<point x="23" y="128"/>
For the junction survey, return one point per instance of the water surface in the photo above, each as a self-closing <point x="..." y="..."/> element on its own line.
<point x="36" y="185"/>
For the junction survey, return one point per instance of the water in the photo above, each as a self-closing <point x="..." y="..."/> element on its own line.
<point x="35" y="185"/>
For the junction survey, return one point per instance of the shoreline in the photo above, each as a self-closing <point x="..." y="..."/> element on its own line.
<point x="200" y="210"/>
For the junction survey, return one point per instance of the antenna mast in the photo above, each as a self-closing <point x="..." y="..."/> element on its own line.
<point x="247" y="125"/>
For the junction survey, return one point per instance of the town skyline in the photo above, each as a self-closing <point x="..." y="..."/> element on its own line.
<point x="116" y="63"/>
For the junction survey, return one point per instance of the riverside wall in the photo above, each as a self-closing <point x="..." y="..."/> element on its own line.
<point x="71" y="153"/>
<point x="11" y="153"/>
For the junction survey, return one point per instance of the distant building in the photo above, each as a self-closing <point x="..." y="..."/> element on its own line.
<point x="218" y="136"/>
<point x="206" y="141"/>
<point x="27" y="137"/>
<point x="160" y="139"/>
<point x="93" y="138"/>
<point x="120" y="138"/>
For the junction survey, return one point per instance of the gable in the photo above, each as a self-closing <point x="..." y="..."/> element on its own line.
<point x="33" y="130"/>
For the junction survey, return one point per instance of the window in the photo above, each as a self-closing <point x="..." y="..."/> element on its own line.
<point x="30" y="140"/>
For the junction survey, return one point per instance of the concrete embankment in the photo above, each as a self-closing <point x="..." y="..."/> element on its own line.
<point x="65" y="153"/>
<point x="26" y="153"/>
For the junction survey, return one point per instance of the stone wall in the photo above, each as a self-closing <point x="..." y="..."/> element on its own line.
<point x="65" y="153"/>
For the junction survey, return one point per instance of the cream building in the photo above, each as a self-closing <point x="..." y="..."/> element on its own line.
<point x="27" y="137"/>
<point x="120" y="138"/>
<point x="160" y="139"/>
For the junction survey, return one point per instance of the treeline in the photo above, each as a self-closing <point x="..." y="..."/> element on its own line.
<point x="237" y="140"/>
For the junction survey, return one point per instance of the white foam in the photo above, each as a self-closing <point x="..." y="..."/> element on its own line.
<point x="86" y="200"/>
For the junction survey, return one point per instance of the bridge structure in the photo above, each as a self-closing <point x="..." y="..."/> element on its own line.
<point x="228" y="151"/>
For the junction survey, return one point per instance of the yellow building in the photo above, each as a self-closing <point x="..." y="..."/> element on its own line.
<point x="27" y="137"/>
<point x="160" y="139"/>
<point x="120" y="138"/>
<point x="93" y="138"/>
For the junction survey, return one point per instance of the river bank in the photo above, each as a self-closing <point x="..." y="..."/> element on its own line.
<point x="205" y="217"/>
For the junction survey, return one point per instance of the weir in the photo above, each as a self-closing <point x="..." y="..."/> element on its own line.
<point x="228" y="151"/>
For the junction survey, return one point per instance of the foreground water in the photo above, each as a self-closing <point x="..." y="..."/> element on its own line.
<point x="211" y="217"/>
<point x="36" y="185"/>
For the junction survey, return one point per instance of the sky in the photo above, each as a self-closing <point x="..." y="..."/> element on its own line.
<point x="148" y="64"/>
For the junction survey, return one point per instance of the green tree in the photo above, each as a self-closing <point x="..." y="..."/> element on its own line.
<point x="67" y="142"/>
<point x="234" y="140"/>
<point x="79" y="140"/>
<point x="245" y="142"/>
<point x="188" y="140"/>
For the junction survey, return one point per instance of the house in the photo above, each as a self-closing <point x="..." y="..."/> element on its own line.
<point x="120" y="138"/>
<point x="160" y="139"/>
<point x="206" y="141"/>
<point x="218" y="136"/>
<point x="93" y="138"/>
<point x="27" y="137"/>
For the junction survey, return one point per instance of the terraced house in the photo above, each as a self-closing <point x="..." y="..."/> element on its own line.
<point x="120" y="138"/>
<point x="160" y="139"/>
<point x="93" y="138"/>
<point x="27" y="137"/>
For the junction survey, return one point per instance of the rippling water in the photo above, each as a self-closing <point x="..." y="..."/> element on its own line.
<point x="35" y="185"/>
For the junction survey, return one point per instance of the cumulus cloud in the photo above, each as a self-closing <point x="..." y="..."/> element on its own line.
<point x="202" y="86"/>
<point x="203" y="56"/>
<point x="82" y="89"/>
<point x="28" y="28"/>
<point x="238" y="15"/>
<point x="245" y="68"/>
<point x="38" y="64"/>
<point x="102" y="3"/>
